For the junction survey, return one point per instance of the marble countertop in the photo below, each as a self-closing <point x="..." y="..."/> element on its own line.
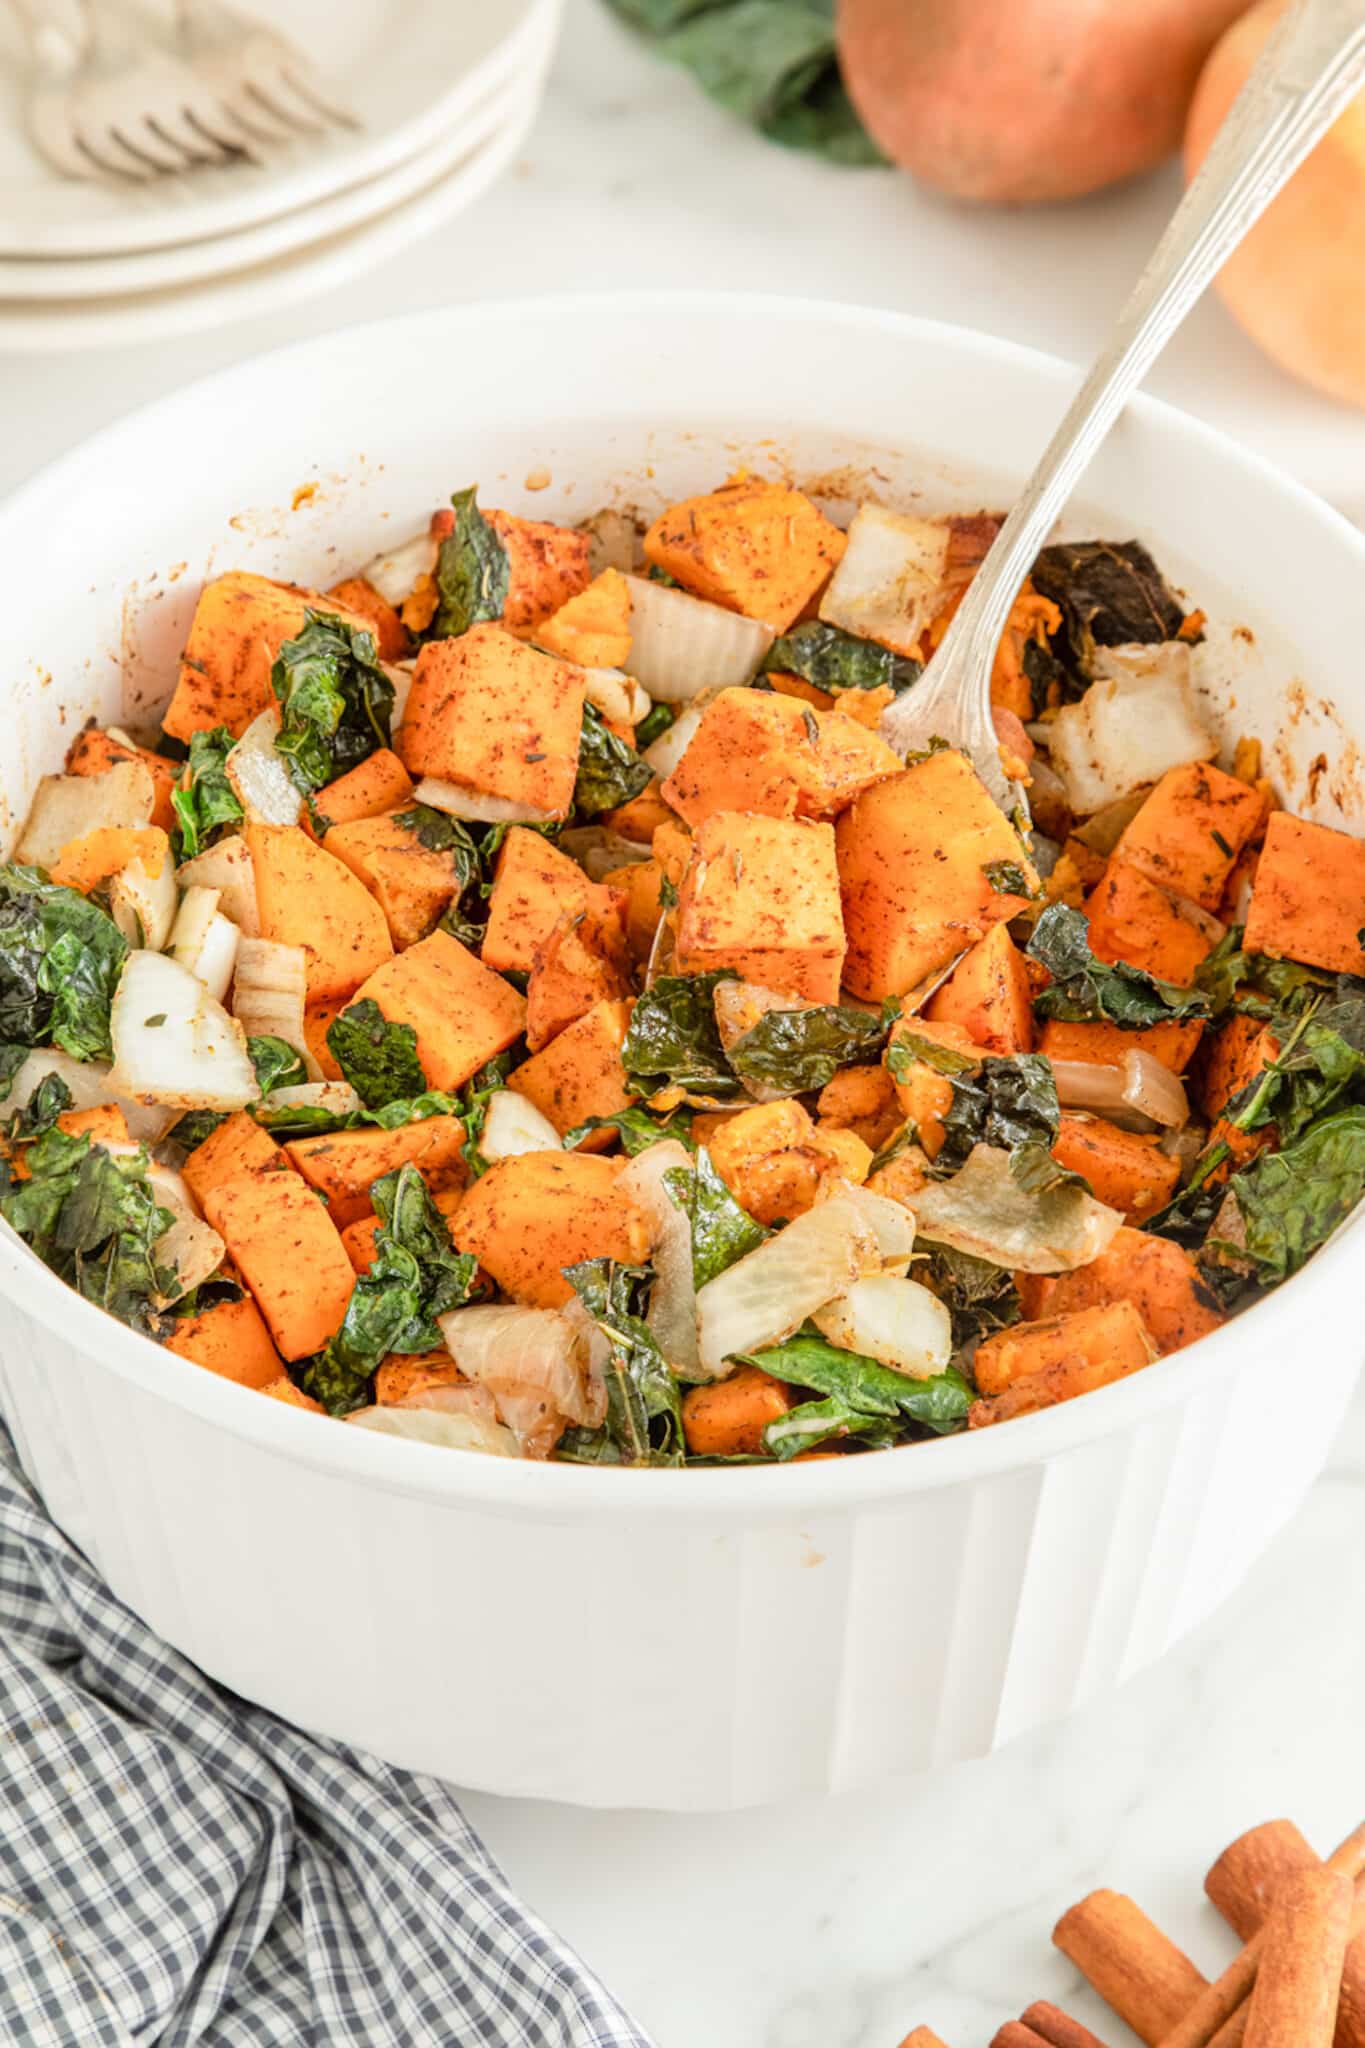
<point x="842" y="1924"/>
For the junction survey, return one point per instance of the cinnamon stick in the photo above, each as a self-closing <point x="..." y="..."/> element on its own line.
<point x="1233" y="2035"/>
<point x="1057" y="2028"/>
<point x="923" y="2037"/>
<point x="1014" y="2034"/>
<point x="1240" y="1885"/>
<point x="1294" y="2004"/>
<point x="1135" y="1968"/>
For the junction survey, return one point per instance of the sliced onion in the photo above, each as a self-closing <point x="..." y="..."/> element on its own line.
<point x="173" y="1043"/>
<point x="205" y="941"/>
<point x="599" y="851"/>
<point x="513" y="1125"/>
<point x="680" y="645"/>
<point x="270" y="994"/>
<point x="1153" y="1091"/>
<point x="891" y="579"/>
<point x="664" y="754"/>
<point x="474" y="808"/>
<point x="228" y="868"/>
<point x="616" y="695"/>
<point x="1129" y="727"/>
<point x="337" y="1098"/>
<point x="890" y="1223"/>
<point x="143" y="905"/>
<point x="769" y="1293"/>
<point x="613" y="541"/>
<point x="400" y="675"/>
<point x="260" y="775"/>
<point x="532" y="1362"/>
<point x="983" y="1210"/>
<point x="898" y="1322"/>
<point x="190" y="1248"/>
<point x="1139" y="1093"/>
<point x="672" y="1314"/>
<point x="459" y="1430"/>
<point x="1103" y="831"/>
<point x="88" y="1083"/>
<point x="395" y="575"/>
<point x="66" y="807"/>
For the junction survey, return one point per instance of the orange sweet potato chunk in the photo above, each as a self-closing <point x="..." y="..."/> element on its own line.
<point x="290" y="1254"/>
<point x="761" y="896"/>
<point x="238" y="1146"/>
<point x="925" y="1095"/>
<point x="1036" y="1365"/>
<point x="344" y="1165"/>
<point x="989" y="995"/>
<point x="758" y="751"/>
<point x="308" y="898"/>
<point x="1155" y="1274"/>
<point x="772" y="1161"/>
<point x="759" y="548"/>
<point x="1191" y="829"/>
<point x="579" y="1074"/>
<point x="727" y="1419"/>
<point x="1173" y="1044"/>
<point x="1124" y="1168"/>
<point x="861" y="1099"/>
<point x="534" y="885"/>
<point x="230" y="1339"/>
<point x="1131" y="919"/>
<point x="380" y="783"/>
<point x="530" y="1216"/>
<point x="94" y="751"/>
<point x="593" y="627"/>
<point x="584" y="961"/>
<point x="462" y="1012"/>
<point x="239" y="626"/>
<point x="362" y="599"/>
<point x="914" y="854"/>
<point x="412" y="884"/>
<point x="491" y="714"/>
<point x="1309" y="899"/>
<point x="547" y="566"/>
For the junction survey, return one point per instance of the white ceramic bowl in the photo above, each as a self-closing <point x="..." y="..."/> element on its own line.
<point x="668" y="1639"/>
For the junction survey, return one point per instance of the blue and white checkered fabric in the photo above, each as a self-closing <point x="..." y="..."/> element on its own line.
<point x="179" y="1868"/>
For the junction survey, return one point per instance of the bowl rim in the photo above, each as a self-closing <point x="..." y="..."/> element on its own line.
<point x="560" y="1491"/>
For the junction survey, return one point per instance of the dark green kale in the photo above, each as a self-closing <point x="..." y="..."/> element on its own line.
<point x="1111" y="594"/>
<point x="860" y="1397"/>
<point x="60" y="961"/>
<point x="673" y="1040"/>
<point x="1006" y="1102"/>
<point x="979" y="1297"/>
<point x="473" y="575"/>
<point x="654" y="724"/>
<point x="471" y="1106"/>
<point x="1045" y="675"/>
<point x="335" y="700"/>
<point x="194" y="1127"/>
<point x="636" y="1128"/>
<point x="1293" y="1199"/>
<point x="643" y="1424"/>
<point x="797" y="1050"/>
<point x="378" y="1058"/>
<point x="834" y="660"/>
<point x="721" y="1230"/>
<point x="610" y="772"/>
<point x="277" y="1064"/>
<point x="93" y="1218"/>
<point x="1007" y="878"/>
<point x="1088" y="990"/>
<point x="210" y="801"/>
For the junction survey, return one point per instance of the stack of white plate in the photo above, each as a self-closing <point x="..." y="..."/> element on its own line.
<point x="446" y="91"/>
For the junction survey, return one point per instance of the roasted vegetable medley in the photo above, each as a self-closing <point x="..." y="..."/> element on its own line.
<point x="519" y="1001"/>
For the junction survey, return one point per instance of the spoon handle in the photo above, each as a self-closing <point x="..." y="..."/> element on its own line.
<point x="1312" y="66"/>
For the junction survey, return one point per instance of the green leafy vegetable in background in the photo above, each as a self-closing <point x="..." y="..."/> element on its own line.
<point x="473" y="575"/>
<point x="1007" y="878"/>
<point x="194" y="1127"/>
<point x="1007" y="1102"/>
<point x="60" y="960"/>
<point x="335" y="700"/>
<point x="1321" y="1059"/>
<point x="49" y="1100"/>
<point x="417" y="1275"/>
<point x="1292" y="1200"/>
<point x="210" y="800"/>
<point x="311" y="1120"/>
<point x="644" y="1407"/>
<point x="1045" y="675"/>
<point x="858" y="1394"/>
<point x="1088" y="990"/>
<point x="834" y="660"/>
<point x="798" y="1050"/>
<point x="1111" y="594"/>
<point x="978" y="1296"/>
<point x="654" y="724"/>
<point x="378" y="1058"/>
<point x="672" y="1040"/>
<point x="438" y="833"/>
<point x="471" y="1106"/>
<point x="1038" y="1173"/>
<point x="95" y="1221"/>
<point x="721" y="1230"/>
<point x="1253" y="983"/>
<point x="636" y="1128"/>
<point x="277" y="1064"/>
<point x="610" y="772"/>
<point x="909" y="1049"/>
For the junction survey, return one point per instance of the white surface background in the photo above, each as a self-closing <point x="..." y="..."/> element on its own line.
<point x="843" y="1924"/>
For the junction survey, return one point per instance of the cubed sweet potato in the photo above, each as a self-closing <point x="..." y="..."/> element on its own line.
<point x="771" y="1159"/>
<point x="864" y="707"/>
<point x="761" y="895"/>
<point x="1309" y="899"/>
<point x="593" y="627"/>
<point x="862" y="1099"/>
<point x="1233" y="1055"/>
<point x="925" y="1094"/>
<point x="727" y="1419"/>
<point x="759" y="548"/>
<point x="579" y="1074"/>
<point x="239" y="626"/>
<point x="641" y="884"/>
<point x="94" y="751"/>
<point x="462" y="1012"/>
<point x="399" y="1377"/>
<point x="489" y="713"/>
<point x="534" y="885"/>
<point x="238" y="1146"/>
<point x="358" y="1238"/>
<point x="318" y="1020"/>
<point x="309" y="898"/>
<point x="1124" y="1168"/>
<point x="344" y="1165"/>
<point x="547" y="566"/>
<point x="901" y="1177"/>
<point x="584" y="961"/>
<point x="1173" y="1044"/>
<point x="641" y="818"/>
<point x="1191" y="829"/>
<point x="230" y="1339"/>
<point x="918" y="869"/>
<point x="290" y="1254"/>
<point x="104" y="1124"/>
<point x="530" y="1216"/>
<point x="363" y="601"/>
<point x="758" y="751"/>
<point x="379" y="783"/>
<point x="283" y="1389"/>
<point x="89" y="860"/>
<point x="989" y="995"/>
<point x="1155" y="1274"/>
<point x="1035" y="1365"/>
<point x="412" y="884"/>
<point x="1132" y="919"/>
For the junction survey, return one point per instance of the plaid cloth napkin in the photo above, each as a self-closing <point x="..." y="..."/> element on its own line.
<point x="179" y="1868"/>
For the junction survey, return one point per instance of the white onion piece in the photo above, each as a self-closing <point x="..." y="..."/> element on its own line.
<point x="475" y="808"/>
<point x="616" y="695"/>
<point x="228" y="868"/>
<point x="66" y="807"/>
<point x="205" y="941"/>
<point x="1153" y="1091"/>
<point x="598" y="850"/>
<point x="984" y="1211"/>
<point x="270" y="993"/>
<point x="173" y="1043"/>
<point x="532" y="1362"/>
<point x="672" y="1314"/>
<point x="680" y="645"/>
<point x="664" y="754"/>
<point x="190" y="1248"/>
<point x="143" y="905"/>
<point x="395" y="575"/>
<point x="769" y="1293"/>
<point x="896" y="1321"/>
<point x="1129" y="727"/>
<point x="448" y="1431"/>
<point x="338" y="1098"/>
<point x="890" y="1222"/>
<point x="1102" y="832"/>
<point x="1139" y="1093"/>
<point x="513" y="1125"/>
<point x="260" y="776"/>
<point x="399" y="674"/>
<point x="1239" y="902"/>
<point x="88" y="1083"/>
<point x="891" y="577"/>
<point x="613" y="541"/>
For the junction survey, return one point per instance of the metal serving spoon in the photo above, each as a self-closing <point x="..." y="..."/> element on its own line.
<point x="1310" y="69"/>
